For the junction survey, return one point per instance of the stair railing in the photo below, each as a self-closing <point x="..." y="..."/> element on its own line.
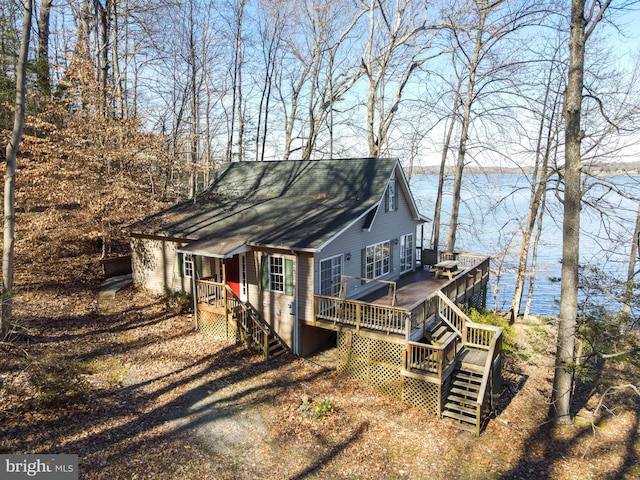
<point x="474" y="335"/>
<point x="487" y="375"/>
<point x="431" y="359"/>
<point x="256" y="329"/>
<point x="452" y="315"/>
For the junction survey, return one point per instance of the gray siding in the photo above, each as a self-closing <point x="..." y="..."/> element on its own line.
<point x="274" y="306"/>
<point x="386" y="226"/>
<point x="154" y="266"/>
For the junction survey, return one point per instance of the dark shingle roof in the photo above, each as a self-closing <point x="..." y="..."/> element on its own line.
<point x="290" y="204"/>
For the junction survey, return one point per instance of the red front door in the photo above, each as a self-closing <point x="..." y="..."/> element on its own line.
<point x="233" y="274"/>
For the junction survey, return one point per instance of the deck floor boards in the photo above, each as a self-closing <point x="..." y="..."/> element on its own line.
<point x="412" y="289"/>
<point x="473" y="356"/>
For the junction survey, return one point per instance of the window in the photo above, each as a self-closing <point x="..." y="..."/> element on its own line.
<point x="406" y="252"/>
<point x="391" y="196"/>
<point x="330" y="275"/>
<point x="276" y="274"/>
<point x="243" y="277"/>
<point x="188" y="265"/>
<point x="377" y="260"/>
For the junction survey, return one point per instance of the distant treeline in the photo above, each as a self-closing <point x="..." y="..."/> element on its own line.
<point x="618" y="168"/>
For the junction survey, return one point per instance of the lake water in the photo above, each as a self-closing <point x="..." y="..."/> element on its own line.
<point x="493" y="209"/>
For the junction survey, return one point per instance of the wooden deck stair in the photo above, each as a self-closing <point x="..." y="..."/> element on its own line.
<point x="440" y="333"/>
<point x="276" y="347"/>
<point x="461" y="403"/>
<point x="254" y="329"/>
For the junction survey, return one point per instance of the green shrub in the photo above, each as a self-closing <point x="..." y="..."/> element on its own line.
<point x="180" y="303"/>
<point x="488" y="317"/>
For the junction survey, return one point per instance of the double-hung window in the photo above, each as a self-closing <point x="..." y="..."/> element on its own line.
<point x="377" y="260"/>
<point x="406" y="253"/>
<point x="188" y="265"/>
<point x="330" y="276"/>
<point x="276" y="274"/>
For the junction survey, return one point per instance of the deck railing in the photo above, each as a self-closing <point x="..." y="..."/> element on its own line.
<point x="252" y="329"/>
<point x="393" y="320"/>
<point x="485" y="395"/>
<point x="211" y="293"/>
<point x="362" y="314"/>
<point x="475" y="269"/>
<point x="431" y="359"/>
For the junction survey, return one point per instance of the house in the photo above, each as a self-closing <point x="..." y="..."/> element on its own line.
<point x="295" y="253"/>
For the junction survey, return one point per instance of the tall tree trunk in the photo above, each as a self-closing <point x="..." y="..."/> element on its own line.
<point x="435" y="232"/>
<point x="10" y="172"/>
<point x="631" y="271"/>
<point x="115" y="61"/>
<point x="567" y="324"/>
<point x="194" y="104"/>
<point x="560" y="410"/>
<point x="538" y="193"/>
<point x="534" y="259"/>
<point x="464" y="134"/>
<point x="43" y="74"/>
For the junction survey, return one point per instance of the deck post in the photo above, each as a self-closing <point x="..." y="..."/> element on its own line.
<point x="194" y="293"/>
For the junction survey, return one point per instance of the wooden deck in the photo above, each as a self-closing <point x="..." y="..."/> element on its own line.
<point x="412" y="289"/>
<point x="406" y="307"/>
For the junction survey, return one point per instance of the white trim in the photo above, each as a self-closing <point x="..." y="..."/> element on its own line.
<point x="339" y="256"/>
<point x="388" y="257"/>
<point x="187" y="259"/>
<point x="296" y="293"/>
<point x="402" y="258"/>
<point x="283" y="274"/>
<point x="406" y="190"/>
<point x="244" y="286"/>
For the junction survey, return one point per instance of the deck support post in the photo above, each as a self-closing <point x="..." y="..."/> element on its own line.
<point x="194" y="294"/>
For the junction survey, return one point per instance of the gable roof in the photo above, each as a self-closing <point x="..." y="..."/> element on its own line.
<point x="298" y="205"/>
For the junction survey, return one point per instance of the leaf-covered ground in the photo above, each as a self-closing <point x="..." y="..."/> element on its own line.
<point x="136" y="393"/>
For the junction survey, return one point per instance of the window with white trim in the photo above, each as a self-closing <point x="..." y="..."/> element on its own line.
<point x="276" y="274"/>
<point x="187" y="265"/>
<point x="406" y="252"/>
<point x="330" y="276"/>
<point x="391" y="195"/>
<point x="378" y="260"/>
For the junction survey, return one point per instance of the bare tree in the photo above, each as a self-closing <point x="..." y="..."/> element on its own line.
<point x="397" y="45"/>
<point x="546" y="143"/>
<point x="583" y="22"/>
<point x="10" y="172"/>
<point x="236" y="85"/>
<point x="485" y="35"/>
<point x="42" y="63"/>
<point x="272" y="25"/>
